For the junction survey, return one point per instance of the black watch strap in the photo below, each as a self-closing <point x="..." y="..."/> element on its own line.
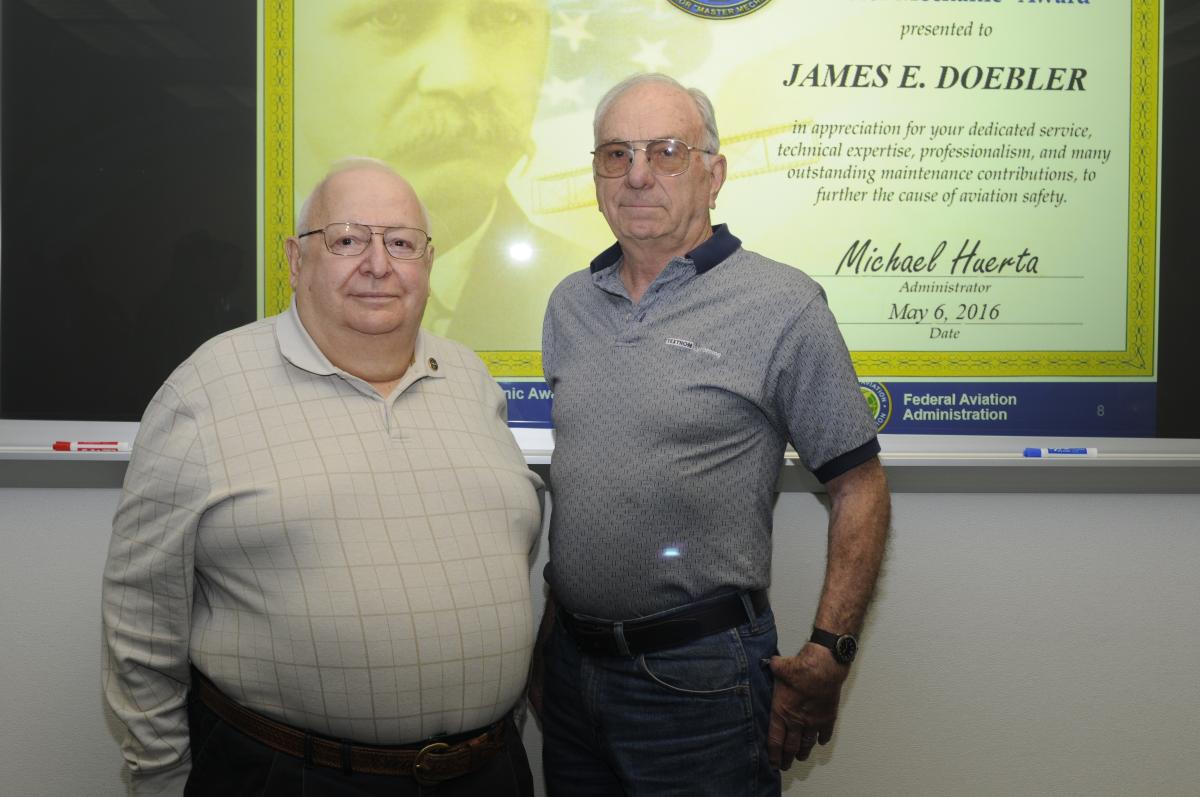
<point x="843" y="646"/>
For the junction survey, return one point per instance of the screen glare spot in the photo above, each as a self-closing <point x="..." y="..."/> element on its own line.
<point x="520" y="252"/>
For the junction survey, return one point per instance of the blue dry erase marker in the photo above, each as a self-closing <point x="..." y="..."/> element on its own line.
<point x="1060" y="452"/>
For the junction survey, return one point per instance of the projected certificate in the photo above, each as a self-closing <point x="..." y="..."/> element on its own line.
<point x="974" y="184"/>
<point x="964" y="180"/>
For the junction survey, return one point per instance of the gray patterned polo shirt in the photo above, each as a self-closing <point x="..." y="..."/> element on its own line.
<point x="671" y="417"/>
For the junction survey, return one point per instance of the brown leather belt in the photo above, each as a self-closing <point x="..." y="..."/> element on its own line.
<point x="427" y="762"/>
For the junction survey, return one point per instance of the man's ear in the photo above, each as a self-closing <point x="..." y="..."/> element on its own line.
<point x="432" y="252"/>
<point x="717" y="170"/>
<point x="291" y="248"/>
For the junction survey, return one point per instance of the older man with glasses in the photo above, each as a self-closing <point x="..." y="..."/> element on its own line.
<point x="318" y="576"/>
<point x="682" y="364"/>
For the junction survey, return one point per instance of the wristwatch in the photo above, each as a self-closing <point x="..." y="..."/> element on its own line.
<point x="844" y="646"/>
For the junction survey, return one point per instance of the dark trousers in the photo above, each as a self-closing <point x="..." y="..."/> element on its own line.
<point x="227" y="763"/>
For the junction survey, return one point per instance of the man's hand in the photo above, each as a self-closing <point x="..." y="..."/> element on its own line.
<point x="804" y="704"/>
<point x="808" y="685"/>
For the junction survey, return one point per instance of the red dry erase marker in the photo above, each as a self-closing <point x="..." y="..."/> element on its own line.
<point x="89" y="445"/>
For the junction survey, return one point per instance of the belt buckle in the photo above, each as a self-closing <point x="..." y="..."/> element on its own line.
<point x="418" y="775"/>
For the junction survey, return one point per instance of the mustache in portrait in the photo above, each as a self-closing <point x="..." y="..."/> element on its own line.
<point x="428" y="127"/>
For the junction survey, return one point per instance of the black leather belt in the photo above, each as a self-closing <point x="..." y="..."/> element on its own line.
<point x="662" y="631"/>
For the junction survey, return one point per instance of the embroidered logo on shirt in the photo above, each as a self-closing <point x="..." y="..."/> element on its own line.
<point x="687" y="344"/>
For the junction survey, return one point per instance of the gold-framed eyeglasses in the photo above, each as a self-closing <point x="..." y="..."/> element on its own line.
<point x="667" y="157"/>
<point x="348" y="238"/>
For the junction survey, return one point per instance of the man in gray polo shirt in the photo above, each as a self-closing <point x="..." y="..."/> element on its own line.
<point x="682" y="364"/>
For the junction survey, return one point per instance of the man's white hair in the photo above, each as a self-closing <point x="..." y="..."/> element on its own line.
<point x="711" y="140"/>
<point x="354" y="163"/>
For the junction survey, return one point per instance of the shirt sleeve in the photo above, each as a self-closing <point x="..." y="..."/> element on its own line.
<point x="147" y="594"/>
<point x="817" y="394"/>
<point x="548" y="332"/>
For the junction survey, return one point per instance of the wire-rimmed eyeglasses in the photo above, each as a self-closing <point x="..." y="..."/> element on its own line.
<point x="667" y="157"/>
<point x="348" y="238"/>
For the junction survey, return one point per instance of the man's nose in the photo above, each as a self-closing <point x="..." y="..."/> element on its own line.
<point x="452" y="58"/>
<point x="375" y="260"/>
<point x="640" y="174"/>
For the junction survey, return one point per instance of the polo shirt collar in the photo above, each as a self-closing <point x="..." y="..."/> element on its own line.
<point x="298" y="348"/>
<point x="715" y="249"/>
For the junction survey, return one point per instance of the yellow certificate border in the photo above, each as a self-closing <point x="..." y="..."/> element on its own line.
<point x="1138" y="357"/>
<point x="1136" y="360"/>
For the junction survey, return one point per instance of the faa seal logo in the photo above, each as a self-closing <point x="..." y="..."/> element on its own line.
<point x="719" y="9"/>
<point x="879" y="401"/>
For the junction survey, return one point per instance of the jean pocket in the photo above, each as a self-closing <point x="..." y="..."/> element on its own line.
<point x="714" y="665"/>
<point x="763" y="628"/>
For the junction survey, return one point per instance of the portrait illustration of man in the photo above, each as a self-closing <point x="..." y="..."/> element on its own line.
<point x="446" y="93"/>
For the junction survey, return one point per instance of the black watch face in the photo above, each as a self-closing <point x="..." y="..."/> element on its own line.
<point x="846" y="648"/>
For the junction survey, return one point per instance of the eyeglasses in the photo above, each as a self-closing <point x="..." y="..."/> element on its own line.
<point x="667" y="157"/>
<point x="347" y="239"/>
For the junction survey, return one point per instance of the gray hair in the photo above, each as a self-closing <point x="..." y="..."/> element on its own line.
<point x="353" y="163"/>
<point x="711" y="140"/>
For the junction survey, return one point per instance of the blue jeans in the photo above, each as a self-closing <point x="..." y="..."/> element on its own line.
<point x="690" y="721"/>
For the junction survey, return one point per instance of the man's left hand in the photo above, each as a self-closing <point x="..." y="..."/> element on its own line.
<point x="804" y="704"/>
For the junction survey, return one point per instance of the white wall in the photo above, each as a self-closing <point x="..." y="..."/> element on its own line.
<point x="1030" y="644"/>
<point x="56" y="735"/>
